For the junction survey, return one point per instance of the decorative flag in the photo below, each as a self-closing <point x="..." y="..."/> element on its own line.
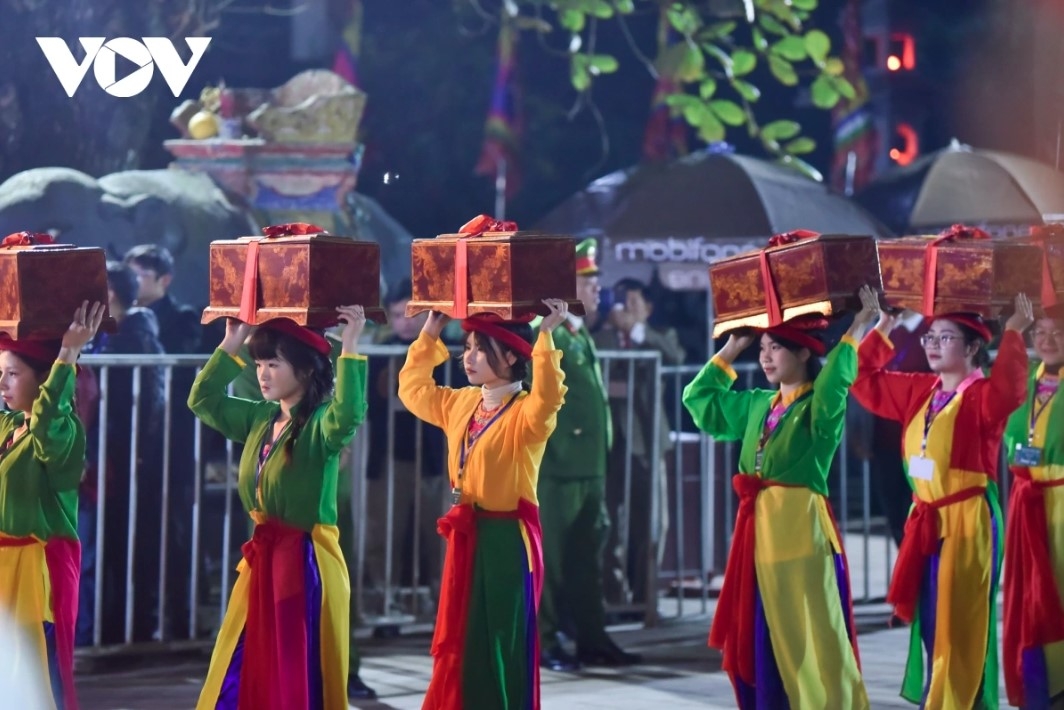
<point x="854" y="129"/>
<point x="345" y="63"/>
<point x="665" y="136"/>
<point x="503" y="128"/>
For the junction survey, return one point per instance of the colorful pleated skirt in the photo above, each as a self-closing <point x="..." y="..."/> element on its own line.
<point x="953" y="658"/>
<point x="39" y="589"/>
<point x="284" y="641"/>
<point x="486" y="643"/>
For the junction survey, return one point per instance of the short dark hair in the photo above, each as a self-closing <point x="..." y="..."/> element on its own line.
<point x="122" y="280"/>
<point x="401" y="290"/>
<point x="622" y="287"/>
<point x="151" y="256"/>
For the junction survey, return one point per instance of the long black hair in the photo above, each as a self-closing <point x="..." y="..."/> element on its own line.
<point x="312" y="369"/>
<point x="812" y="365"/>
<point x="519" y="371"/>
<point x="981" y="358"/>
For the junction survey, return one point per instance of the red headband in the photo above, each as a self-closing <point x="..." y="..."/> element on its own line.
<point x="492" y="327"/>
<point x="971" y="321"/>
<point x="797" y="331"/>
<point x="45" y="351"/>
<point x="308" y="337"/>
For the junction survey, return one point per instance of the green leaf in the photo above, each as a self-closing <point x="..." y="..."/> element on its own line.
<point x="695" y="112"/>
<point x="844" y="87"/>
<point x="602" y="64"/>
<point x="782" y="70"/>
<point x="710" y="129"/>
<point x="578" y="73"/>
<point x="760" y="43"/>
<point x="693" y="65"/>
<point x="771" y="24"/>
<point x="743" y="62"/>
<point x="681" y="102"/>
<point x="707" y="88"/>
<point x="720" y="55"/>
<point x="800" y="146"/>
<point x="747" y="90"/>
<point x="600" y="9"/>
<point x="817" y="44"/>
<point x="780" y="130"/>
<point x="572" y="20"/>
<point x="791" y="48"/>
<point x="823" y="92"/>
<point x="624" y="7"/>
<point x="728" y="112"/>
<point x="684" y="19"/>
<point x="809" y="5"/>
<point x="716" y="31"/>
<point x="801" y="166"/>
<point x="834" y="66"/>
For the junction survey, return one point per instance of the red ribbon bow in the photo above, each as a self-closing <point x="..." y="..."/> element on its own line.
<point x="772" y="295"/>
<point x="249" y="295"/>
<point x="1043" y="234"/>
<point x="26" y="239"/>
<point x="955" y="233"/>
<point x="472" y="229"/>
<point x="292" y="229"/>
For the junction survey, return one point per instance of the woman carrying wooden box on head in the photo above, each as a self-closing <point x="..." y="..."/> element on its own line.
<point x="786" y="598"/>
<point x="283" y="644"/>
<point x="1033" y="643"/>
<point x="486" y="642"/>
<point x="42" y="458"/>
<point x="945" y="577"/>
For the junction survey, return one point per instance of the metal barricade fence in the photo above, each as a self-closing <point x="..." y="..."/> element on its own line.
<point x="679" y="576"/>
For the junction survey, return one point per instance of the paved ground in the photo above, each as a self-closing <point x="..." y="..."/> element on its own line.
<point x="679" y="672"/>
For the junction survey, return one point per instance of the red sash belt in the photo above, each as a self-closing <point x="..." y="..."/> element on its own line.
<point x="733" y="622"/>
<point x="919" y="543"/>
<point x="459" y="528"/>
<point x="274" y="674"/>
<point x="63" y="558"/>
<point x="1034" y="615"/>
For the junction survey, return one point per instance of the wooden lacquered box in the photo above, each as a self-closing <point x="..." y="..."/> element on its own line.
<point x="506" y="273"/>
<point x="303" y="278"/>
<point x="971" y="275"/>
<point x="41" y="286"/>
<point x="820" y="274"/>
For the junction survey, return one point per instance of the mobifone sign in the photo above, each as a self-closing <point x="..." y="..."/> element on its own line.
<point x="102" y="53"/>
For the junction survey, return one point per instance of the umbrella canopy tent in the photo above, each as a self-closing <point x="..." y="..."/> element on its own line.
<point x="679" y="217"/>
<point x="1000" y="192"/>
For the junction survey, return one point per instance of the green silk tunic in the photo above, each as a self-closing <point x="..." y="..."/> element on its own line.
<point x="300" y="492"/>
<point x="40" y="473"/>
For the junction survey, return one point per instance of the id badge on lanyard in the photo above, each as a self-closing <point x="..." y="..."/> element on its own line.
<point x="922" y="467"/>
<point x="1031" y="455"/>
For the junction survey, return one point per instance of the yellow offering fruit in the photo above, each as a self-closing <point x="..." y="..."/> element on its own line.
<point x="203" y="125"/>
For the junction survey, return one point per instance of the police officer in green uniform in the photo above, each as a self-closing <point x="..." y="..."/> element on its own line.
<point x="247" y="386"/>
<point x="572" y="496"/>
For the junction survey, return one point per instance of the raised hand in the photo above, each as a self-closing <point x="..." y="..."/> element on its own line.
<point x="559" y="310"/>
<point x="236" y="332"/>
<point x="82" y="329"/>
<point x="868" y="313"/>
<point x="354" y="321"/>
<point x="737" y="343"/>
<point x="1023" y="316"/>
<point x="435" y="324"/>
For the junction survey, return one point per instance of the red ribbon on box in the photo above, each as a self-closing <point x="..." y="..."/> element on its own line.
<point x="772" y="296"/>
<point x="954" y="233"/>
<point x="26" y="239"/>
<point x="472" y="229"/>
<point x="249" y="296"/>
<point x="1044" y="234"/>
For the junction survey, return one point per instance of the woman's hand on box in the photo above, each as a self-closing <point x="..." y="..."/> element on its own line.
<point x="559" y="311"/>
<point x="236" y="332"/>
<point x="435" y="324"/>
<point x="82" y="329"/>
<point x="353" y="319"/>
